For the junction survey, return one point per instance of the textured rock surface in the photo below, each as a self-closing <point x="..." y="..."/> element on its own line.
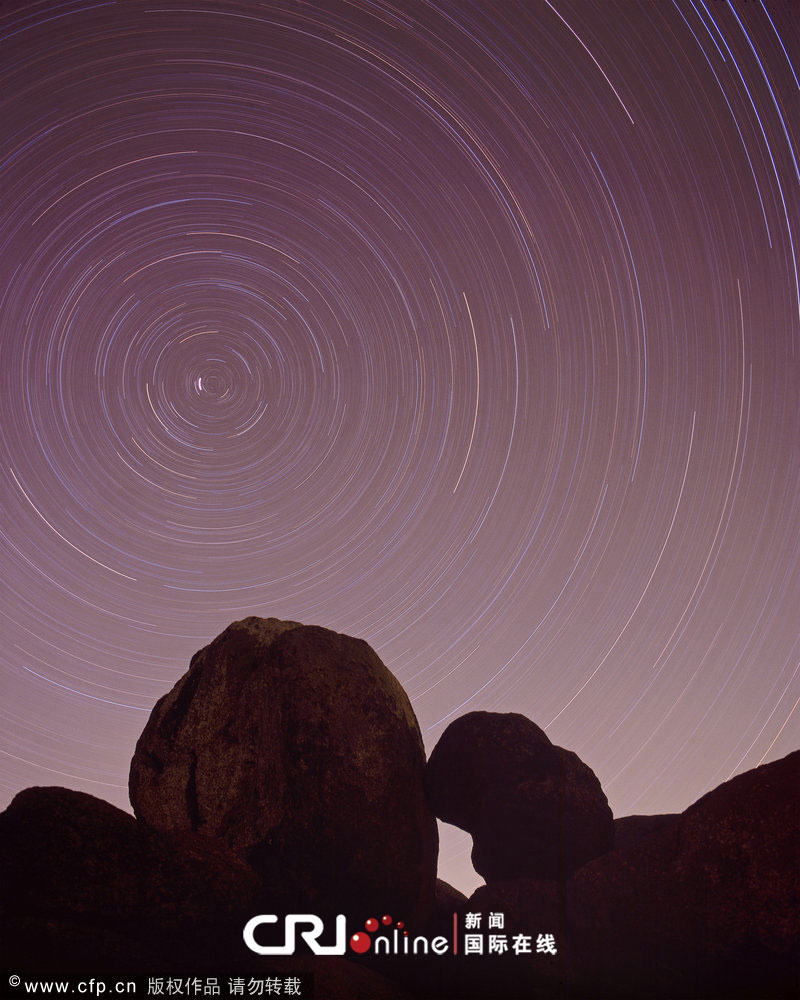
<point x="298" y="748"/>
<point x="708" y="904"/>
<point x="84" y="882"/>
<point x="702" y="904"/>
<point x="630" y="830"/>
<point x="533" y="809"/>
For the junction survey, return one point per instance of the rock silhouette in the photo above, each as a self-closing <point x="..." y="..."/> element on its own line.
<point x="285" y="771"/>
<point x="83" y="882"/>
<point x="710" y="902"/>
<point x="630" y="830"/>
<point x="87" y="889"/>
<point x="298" y="748"/>
<point x="706" y="905"/>
<point x="533" y="809"/>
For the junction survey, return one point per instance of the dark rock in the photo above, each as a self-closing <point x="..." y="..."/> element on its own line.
<point x="529" y="908"/>
<point x="448" y="899"/>
<point x="84" y="885"/>
<point x="512" y="914"/>
<point x="705" y="906"/>
<point x="298" y="748"/>
<point x="55" y="945"/>
<point x="533" y="809"/>
<point x="629" y="830"/>
<point x="338" y="979"/>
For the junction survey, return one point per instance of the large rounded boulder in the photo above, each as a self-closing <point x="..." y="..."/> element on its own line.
<point x="300" y="750"/>
<point x="534" y="809"/>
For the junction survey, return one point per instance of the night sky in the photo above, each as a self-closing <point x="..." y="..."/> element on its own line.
<point x="471" y="329"/>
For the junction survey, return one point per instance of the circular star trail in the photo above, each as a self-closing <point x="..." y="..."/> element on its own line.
<point x="468" y="329"/>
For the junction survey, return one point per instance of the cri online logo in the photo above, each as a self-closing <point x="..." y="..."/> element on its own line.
<point x="396" y="942"/>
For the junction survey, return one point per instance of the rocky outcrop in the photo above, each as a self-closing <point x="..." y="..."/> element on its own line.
<point x="703" y="904"/>
<point x="630" y="830"/>
<point x="84" y="883"/>
<point x="285" y="772"/>
<point x="298" y="748"/>
<point x="707" y="905"/>
<point x="534" y="809"/>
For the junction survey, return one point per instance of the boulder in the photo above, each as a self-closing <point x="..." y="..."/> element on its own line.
<point x="299" y="749"/>
<point x="629" y="830"/>
<point x="85" y="885"/>
<point x="534" y="809"/>
<point x="708" y="905"/>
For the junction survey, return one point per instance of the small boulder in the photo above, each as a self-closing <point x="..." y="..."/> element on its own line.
<point x="84" y="884"/>
<point x="534" y="809"/>
<point x="300" y="750"/>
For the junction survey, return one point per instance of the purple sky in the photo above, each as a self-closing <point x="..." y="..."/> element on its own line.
<point x="468" y="329"/>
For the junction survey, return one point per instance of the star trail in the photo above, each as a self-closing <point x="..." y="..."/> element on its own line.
<point x="471" y="329"/>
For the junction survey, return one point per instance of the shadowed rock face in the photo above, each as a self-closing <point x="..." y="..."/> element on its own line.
<point x="533" y="809"/>
<point x="300" y="750"/>
<point x="297" y="747"/>
<point x="702" y="904"/>
<point x="83" y="882"/>
<point x="709" y="902"/>
<point x="630" y="830"/>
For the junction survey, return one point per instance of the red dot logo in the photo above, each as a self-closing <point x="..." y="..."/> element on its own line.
<point x="386" y="920"/>
<point x="360" y="942"/>
<point x="371" y="925"/>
